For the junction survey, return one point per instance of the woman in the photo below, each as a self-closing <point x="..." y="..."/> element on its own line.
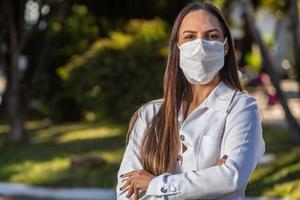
<point x="203" y="139"/>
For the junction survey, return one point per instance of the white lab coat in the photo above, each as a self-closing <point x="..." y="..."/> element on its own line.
<point x="226" y="122"/>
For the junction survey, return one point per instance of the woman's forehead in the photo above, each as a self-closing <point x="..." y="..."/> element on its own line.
<point x="199" y="21"/>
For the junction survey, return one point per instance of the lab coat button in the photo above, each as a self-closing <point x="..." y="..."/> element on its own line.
<point x="164" y="189"/>
<point x="172" y="188"/>
<point x="182" y="137"/>
<point x="179" y="157"/>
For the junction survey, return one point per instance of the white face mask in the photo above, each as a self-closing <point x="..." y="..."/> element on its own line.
<point x="200" y="60"/>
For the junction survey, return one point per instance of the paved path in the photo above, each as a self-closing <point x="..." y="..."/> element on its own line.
<point x="274" y="115"/>
<point x="24" y="192"/>
<point x="24" y="198"/>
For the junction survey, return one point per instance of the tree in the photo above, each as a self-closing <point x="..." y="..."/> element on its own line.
<point x="270" y="69"/>
<point x="12" y="20"/>
<point x="294" y="16"/>
<point x="19" y="37"/>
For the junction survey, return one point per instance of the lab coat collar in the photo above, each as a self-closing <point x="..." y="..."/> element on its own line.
<point x="219" y="99"/>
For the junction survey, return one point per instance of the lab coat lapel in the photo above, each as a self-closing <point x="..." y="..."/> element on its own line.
<point x="210" y="143"/>
<point x="204" y="133"/>
<point x="220" y="98"/>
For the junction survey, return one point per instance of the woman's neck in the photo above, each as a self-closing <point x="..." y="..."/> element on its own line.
<point x="200" y="92"/>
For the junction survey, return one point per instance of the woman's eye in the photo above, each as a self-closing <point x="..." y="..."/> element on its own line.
<point x="213" y="37"/>
<point x="189" y="37"/>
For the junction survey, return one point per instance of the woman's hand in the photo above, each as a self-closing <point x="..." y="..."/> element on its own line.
<point x="221" y="160"/>
<point x="137" y="180"/>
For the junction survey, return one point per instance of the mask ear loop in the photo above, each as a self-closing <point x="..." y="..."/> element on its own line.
<point x="225" y="41"/>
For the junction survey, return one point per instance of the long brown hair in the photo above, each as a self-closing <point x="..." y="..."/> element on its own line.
<point x="160" y="145"/>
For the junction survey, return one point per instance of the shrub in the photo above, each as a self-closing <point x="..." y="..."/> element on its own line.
<point x="118" y="73"/>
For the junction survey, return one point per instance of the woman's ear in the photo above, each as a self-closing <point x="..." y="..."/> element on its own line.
<point x="226" y="48"/>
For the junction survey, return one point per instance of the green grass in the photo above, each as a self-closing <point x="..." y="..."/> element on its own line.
<point x="281" y="177"/>
<point x="44" y="159"/>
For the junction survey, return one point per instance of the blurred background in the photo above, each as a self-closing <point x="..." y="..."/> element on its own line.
<point x="73" y="72"/>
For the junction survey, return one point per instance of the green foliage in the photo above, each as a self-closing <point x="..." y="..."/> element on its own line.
<point x="278" y="5"/>
<point x="118" y="73"/>
<point x="269" y="40"/>
<point x="218" y="3"/>
<point x="72" y="35"/>
<point x="253" y="59"/>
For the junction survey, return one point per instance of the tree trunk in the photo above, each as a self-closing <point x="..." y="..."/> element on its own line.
<point x="270" y="69"/>
<point x="294" y="16"/>
<point x="21" y="85"/>
<point x="13" y="105"/>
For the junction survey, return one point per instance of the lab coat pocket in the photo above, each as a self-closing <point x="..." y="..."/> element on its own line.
<point x="208" y="151"/>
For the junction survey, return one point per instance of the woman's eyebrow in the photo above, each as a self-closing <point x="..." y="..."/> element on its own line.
<point x="212" y="30"/>
<point x="189" y="31"/>
<point x="207" y="31"/>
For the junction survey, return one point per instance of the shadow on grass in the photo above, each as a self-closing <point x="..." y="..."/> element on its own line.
<point x="51" y="148"/>
<point x="284" y="168"/>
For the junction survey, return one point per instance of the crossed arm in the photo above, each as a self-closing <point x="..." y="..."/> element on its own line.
<point x="139" y="180"/>
<point x="243" y="143"/>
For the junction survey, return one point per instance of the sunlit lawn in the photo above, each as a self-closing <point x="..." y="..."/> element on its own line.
<point x="280" y="178"/>
<point x="45" y="159"/>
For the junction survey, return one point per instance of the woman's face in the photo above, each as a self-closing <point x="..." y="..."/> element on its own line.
<point x="201" y="24"/>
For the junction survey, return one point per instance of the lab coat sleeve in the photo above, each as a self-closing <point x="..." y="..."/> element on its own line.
<point x="244" y="145"/>
<point x="131" y="158"/>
